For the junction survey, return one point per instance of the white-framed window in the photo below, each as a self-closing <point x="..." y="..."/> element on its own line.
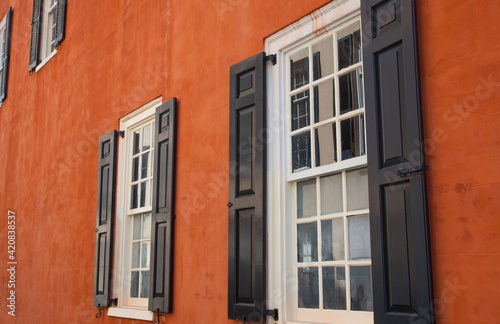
<point x="47" y="32"/>
<point x="133" y="214"/>
<point x="319" y="233"/>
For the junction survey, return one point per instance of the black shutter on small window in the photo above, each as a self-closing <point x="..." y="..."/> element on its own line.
<point x="401" y="262"/>
<point x="35" y="33"/>
<point x="247" y="198"/>
<point x="6" y="56"/>
<point x="60" y="22"/>
<point x="105" y="219"/>
<point x="162" y="227"/>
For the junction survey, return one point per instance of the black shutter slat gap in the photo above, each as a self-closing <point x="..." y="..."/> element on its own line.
<point x="105" y="219"/>
<point x="35" y="34"/>
<point x="401" y="264"/>
<point x="247" y="191"/>
<point x="162" y="223"/>
<point x="60" y="22"/>
<point x="6" y="57"/>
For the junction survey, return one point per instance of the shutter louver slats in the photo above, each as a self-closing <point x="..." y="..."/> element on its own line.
<point x="401" y="269"/>
<point x="105" y="219"/>
<point x="60" y="22"/>
<point x="6" y="57"/>
<point x="162" y="224"/>
<point x="35" y="34"/>
<point x="247" y="221"/>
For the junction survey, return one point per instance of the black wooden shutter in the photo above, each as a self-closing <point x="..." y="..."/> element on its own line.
<point x="60" y="22"/>
<point x="35" y="33"/>
<point x="105" y="219"/>
<point x="247" y="199"/>
<point x="402" y="282"/>
<point x="6" y="56"/>
<point x="162" y="227"/>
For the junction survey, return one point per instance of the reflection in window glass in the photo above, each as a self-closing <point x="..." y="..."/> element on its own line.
<point x="300" y="110"/>
<point x="351" y="91"/>
<point x="308" y="281"/>
<point x="352" y="134"/>
<point x="334" y="288"/>
<point x="361" y="288"/>
<point x="359" y="237"/>
<point x="307" y="242"/>
<point x="299" y="65"/>
<point x="301" y="152"/>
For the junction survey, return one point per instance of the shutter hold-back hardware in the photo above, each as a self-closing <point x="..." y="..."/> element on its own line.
<point x="273" y="313"/>
<point x="406" y="172"/>
<point x="157" y="317"/>
<point x="114" y="301"/>
<point x="98" y="315"/>
<point x="121" y="134"/>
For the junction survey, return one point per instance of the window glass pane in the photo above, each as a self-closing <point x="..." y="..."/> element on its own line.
<point x="351" y="91"/>
<point x="143" y="194"/>
<point x="324" y="101"/>
<point x="323" y="58"/>
<point x="301" y="152"/>
<point x="134" y="284"/>
<point x="135" y="254"/>
<point x="133" y="197"/>
<point x="349" y="47"/>
<point x="359" y="237"/>
<point x="308" y="287"/>
<point x="352" y="132"/>
<point x="146" y="227"/>
<point x="300" y="110"/>
<point x="136" y="233"/>
<point x="361" y="288"/>
<point x="144" y="284"/>
<point x="307" y="242"/>
<point x="334" y="288"/>
<point x="326" y="144"/>
<point x="146" y="138"/>
<point x="357" y="189"/>
<point x="331" y="194"/>
<point x="144" y="165"/>
<point x="145" y="255"/>
<point x="135" y="169"/>
<point x="299" y="64"/>
<point x="332" y="239"/>
<point x="306" y="198"/>
<point x="137" y="137"/>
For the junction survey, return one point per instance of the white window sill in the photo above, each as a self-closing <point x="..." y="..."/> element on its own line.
<point x="45" y="60"/>
<point x="133" y="313"/>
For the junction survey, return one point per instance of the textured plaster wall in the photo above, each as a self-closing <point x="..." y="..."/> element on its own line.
<point x="460" y="82"/>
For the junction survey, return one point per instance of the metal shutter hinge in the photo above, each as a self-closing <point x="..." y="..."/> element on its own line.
<point x="406" y="172"/>
<point x="272" y="58"/>
<point x="273" y="313"/>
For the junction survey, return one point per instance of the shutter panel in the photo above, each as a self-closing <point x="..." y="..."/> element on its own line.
<point x="60" y="22"/>
<point x="105" y="219"/>
<point x="401" y="267"/>
<point x="247" y="205"/>
<point x="6" y="56"/>
<point x="35" y="33"/>
<point x="160" y="285"/>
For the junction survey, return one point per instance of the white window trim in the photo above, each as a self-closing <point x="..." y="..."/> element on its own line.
<point x="44" y="35"/>
<point x="279" y="175"/>
<point x="140" y="115"/>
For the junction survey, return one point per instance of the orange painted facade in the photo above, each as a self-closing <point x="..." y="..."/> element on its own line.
<point x="119" y="55"/>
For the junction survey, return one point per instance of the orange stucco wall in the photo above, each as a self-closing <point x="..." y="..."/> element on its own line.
<point x="119" y="55"/>
<point x="460" y="83"/>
